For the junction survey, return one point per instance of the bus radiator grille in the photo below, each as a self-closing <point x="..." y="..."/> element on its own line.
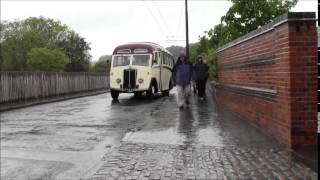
<point x="129" y="78"/>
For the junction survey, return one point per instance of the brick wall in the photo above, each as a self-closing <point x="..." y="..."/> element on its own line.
<point x="269" y="77"/>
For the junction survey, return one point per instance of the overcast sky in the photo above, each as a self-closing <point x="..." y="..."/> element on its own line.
<point x="106" y="24"/>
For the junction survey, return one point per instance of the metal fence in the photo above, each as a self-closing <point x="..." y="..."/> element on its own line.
<point x="21" y="86"/>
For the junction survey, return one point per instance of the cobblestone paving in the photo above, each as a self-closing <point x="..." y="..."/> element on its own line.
<point x="161" y="161"/>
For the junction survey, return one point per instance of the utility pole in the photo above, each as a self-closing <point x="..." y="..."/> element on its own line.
<point x="187" y="28"/>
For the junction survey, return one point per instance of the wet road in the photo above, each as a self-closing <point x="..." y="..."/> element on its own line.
<point x="97" y="138"/>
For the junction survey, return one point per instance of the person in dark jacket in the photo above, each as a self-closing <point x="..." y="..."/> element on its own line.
<point x="193" y="82"/>
<point x="201" y="71"/>
<point x="182" y="74"/>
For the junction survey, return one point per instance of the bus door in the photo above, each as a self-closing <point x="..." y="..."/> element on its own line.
<point x="160" y="70"/>
<point x="157" y="69"/>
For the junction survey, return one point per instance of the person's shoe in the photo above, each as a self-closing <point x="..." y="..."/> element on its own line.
<point x="180" y="108"/>
<point x="201" y="98"/>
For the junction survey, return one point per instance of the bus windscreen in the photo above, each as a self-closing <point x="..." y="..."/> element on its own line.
<point x="121" y="61"/>
<point x="141" y="60"/>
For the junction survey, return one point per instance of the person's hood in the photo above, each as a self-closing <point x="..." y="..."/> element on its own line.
<point x="183" y="55"/>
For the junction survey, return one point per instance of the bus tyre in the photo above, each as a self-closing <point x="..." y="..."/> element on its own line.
<point x="165" y="93"/>
<point x="114" y="94"/>
<point x="137" y="94"/>
<point x="151" y="92"/>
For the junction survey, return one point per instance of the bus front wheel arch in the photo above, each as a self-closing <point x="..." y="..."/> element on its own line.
<point x="166" y="92"/>
<point x="153" y="89"/>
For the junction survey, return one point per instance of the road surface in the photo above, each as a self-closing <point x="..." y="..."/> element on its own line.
<point x="95" y="137"/>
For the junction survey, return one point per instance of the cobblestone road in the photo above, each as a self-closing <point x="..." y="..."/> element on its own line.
<point x="160" y="161"/>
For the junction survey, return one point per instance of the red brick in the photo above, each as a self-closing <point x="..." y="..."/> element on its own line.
<point x="292" y="117"/>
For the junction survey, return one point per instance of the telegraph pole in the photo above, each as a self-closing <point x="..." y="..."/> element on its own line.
<point x="187" y="28"/>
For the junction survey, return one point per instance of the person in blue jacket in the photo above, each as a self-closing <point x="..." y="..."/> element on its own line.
<point x="182" y="74"/>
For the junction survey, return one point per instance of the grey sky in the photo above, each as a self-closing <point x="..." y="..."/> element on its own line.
<point x="106" y="24"/>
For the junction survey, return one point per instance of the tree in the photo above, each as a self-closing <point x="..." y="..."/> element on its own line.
<point x="211" y="58"/>
<point x="20" y="36"/>
<point x="77" y="50"/>
<point x="193" y="51"/>
<point x="102" y="65"/>
<point x="203" y="45"/>
<point x="242" y="17"/>
<point x="245" y="16"/>
<point x="15" y="47"/>
<point x="43" y="59"/>
<point x="318" y="33"/>
<point x="176" y="51"/>
<point x="218" y="36"/>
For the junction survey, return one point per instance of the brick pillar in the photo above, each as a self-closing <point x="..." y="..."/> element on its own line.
<point x="303" y="82"/>
<point x="282" y="83"/>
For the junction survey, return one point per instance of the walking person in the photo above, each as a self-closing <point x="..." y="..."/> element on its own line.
<point x="182" y="74"/>
<point x="201" y="71"/>
<point x="193" y="82"/>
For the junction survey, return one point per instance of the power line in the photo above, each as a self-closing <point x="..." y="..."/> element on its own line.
<point x="180" y="19"/>
<point x="161" y="16"/>
<point x="153" y="16"/>
<point x="178" y="27"/>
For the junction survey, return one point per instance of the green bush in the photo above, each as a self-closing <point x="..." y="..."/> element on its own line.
<point x="44" y="59"/>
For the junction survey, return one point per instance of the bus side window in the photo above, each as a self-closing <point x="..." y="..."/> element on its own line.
<point x="155" y="58"/>
<point x="159" y="57"/>
<point x="162" y="58"/>
<point x="167" y="60"/>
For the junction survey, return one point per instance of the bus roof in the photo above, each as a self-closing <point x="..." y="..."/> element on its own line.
<point x="139" y="47"/>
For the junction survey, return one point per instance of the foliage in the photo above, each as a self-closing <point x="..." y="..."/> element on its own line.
<point x="193" y="52"/>
<point x="76" y="49"/>
<point x="20" y="36"/>
<point x="211" y="58"/>
<point x="176" y="51"/>
<point x="242" y="17"/>
<point x="103" y="64"/>
<point x="245" y="16"/>
<point x="318" y="34"/>
<point x="44" y="59"/>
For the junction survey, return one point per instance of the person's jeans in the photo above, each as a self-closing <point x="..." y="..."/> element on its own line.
<point x="183" y="93"/>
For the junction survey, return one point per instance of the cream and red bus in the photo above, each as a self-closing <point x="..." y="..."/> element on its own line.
<point x="141" y="67"/>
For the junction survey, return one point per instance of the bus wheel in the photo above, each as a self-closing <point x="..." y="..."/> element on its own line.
<point x="165" y="93"/>
<point x="114" y="94"/>
<point x="152" y="90"/>
<point x="137" y="94"/>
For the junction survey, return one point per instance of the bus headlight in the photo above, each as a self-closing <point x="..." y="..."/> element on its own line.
<point x="140" y="80"/>
<point x="118" y="81"/>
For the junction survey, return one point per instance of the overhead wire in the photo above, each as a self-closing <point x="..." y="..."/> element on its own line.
<point x="162" y="18"/>
<point x="180" y="19"/>
<point x="156" y="20"/>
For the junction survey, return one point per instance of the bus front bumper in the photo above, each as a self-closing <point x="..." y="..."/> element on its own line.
<point x="128" y="90"/>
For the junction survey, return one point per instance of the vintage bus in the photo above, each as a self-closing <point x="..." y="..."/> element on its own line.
<point x="138" y="68"/>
